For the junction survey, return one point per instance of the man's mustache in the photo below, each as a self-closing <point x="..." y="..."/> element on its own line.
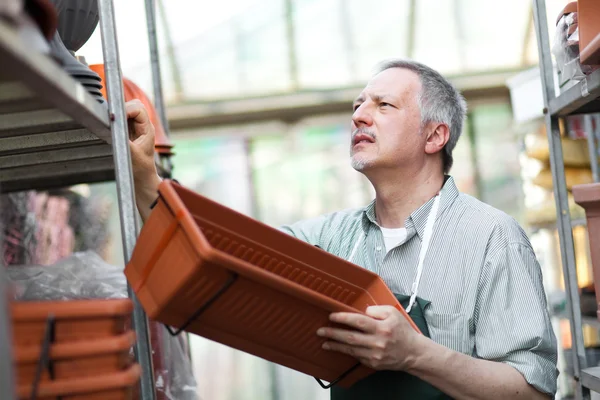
<point x="364" y="132"/>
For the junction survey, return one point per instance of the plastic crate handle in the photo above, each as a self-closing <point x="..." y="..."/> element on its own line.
<point x="44" y="361"/>
<point x="232" y="278"/>
<point x="339" y="378"/>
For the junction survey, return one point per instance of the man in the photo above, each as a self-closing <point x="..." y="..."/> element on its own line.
<point x="465" y="270"/>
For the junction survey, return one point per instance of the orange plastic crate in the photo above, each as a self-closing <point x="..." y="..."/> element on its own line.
<point x="74" y="319"/>
<point x="76" y="359"/>
<point x="261" y="290"/>
<point x="115" y="386"/>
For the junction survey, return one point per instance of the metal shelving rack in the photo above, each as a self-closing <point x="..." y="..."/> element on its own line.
<point x="53" y="133"/>
<point x="583" y="98"/>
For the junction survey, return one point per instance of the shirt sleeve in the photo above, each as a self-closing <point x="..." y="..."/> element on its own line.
<point x="309" y="230"/>
<point x="512" y="322"/>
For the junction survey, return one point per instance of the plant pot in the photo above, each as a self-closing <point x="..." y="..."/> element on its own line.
<point x="78" y="359"/>
<point x="588" y="197"/>
<point x="588" y="15"/>
<point x="88" y="78"/>
<point x="74" y="319"/>
<point x="132" y="91"/>
<point x="115" y="386"/>
<point x="77" y="20"/>
<point x="261" y="290"/>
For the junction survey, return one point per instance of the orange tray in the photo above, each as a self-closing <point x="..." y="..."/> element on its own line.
<point x="76" y="359"/>
<point x="116" y="386"/>
<point x="257" y="289"/>
<point x="74" y="319"/>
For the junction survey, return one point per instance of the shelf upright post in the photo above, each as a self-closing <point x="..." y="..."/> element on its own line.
<point x="557" y="166"/>
<point x="159" y="103"/>
<point x="125" y="189"/>
<point x="7" y="377"/>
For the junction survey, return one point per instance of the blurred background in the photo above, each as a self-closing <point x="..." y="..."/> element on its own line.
<point x="259" y="100"/>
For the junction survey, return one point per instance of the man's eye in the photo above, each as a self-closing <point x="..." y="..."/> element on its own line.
<point x="355" y="107"/>
<point x="384" y="104"/>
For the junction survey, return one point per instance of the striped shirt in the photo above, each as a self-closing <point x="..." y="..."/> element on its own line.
<point x="480" y="275"/>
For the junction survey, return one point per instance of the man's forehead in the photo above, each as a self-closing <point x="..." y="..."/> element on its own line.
<point x="394" y="82"/>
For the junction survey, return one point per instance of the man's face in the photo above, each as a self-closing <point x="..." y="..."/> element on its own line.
<point x="386" y="123"/>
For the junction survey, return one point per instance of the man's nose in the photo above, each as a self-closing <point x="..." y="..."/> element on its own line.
<point x="362" y="116"/>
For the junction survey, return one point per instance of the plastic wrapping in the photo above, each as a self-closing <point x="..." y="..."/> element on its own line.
<point x="172" y="367"/>
<point x="566" y="51"/>
<point x="85" y="275"/>
<point x="82" y="275"/>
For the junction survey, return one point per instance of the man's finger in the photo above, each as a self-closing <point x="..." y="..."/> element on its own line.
<point x="348" y="337"/>
<point x="357" y="352"/>
<point x="361" y="322"/>
<point x="380" y="312"/>
<point x="134" y="109"/>
<point x="136" y="114"/>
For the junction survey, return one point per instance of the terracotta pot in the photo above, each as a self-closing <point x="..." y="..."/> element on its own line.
<point x="132" y="91"/>
<point x="115" y="386"/>
<point x="569" y="8"/>
<point x="588" y="15"/>
<point x="588" y="197"/>
<point x="74" y="319"/>
<point x="77" y="20"/>
<point x="76" y="359"/>
<point x="274" y="291"/>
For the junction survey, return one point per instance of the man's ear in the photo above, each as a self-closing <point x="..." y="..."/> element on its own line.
<point x="437" y="137"/>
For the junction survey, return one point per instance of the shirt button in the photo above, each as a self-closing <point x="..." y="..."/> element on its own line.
<point x="378" y="248"/>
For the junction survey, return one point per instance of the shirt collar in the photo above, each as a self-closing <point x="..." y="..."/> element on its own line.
<point x="418" y="219"/>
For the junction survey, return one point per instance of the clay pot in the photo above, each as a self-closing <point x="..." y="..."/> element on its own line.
<point x="119" y="385"/>
<point x="569" y="8"/>
<point x="77" y="20"/>
<point x="132" y="91"/>
<point x="588" y="197"/>
<point x="77" y="359"/>
<point x="75" y="320"/>
<point x="261" y="290"/>
<point x="588" y="15"/>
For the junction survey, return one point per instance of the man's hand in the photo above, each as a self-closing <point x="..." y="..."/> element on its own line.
<point x="141" y="141"/>
<point x="141" y="146"/>
<point x="383" y="339"/>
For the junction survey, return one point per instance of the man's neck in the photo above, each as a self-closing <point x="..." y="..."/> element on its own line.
<point x="398" y="198"/>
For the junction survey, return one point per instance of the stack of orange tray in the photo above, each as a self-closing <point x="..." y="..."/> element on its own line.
<point x="201" y="267"/>
<point x="74" y="350"/>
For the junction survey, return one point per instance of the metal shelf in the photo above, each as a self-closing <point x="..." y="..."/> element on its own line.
<point x="583" y="98"/>
<point x="590" y="378"/>
<point x="52" y="131"/>
<point x="591" y="321"/>
<point x="575" y="100"/>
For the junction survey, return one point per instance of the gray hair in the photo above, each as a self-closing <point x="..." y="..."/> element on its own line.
<point x="438" y="100"/>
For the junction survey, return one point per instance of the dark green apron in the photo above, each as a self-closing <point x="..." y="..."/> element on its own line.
<point x="394" y="385"/>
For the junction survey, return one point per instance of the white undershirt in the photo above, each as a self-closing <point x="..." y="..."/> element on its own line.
<point x="393" y="237"/>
